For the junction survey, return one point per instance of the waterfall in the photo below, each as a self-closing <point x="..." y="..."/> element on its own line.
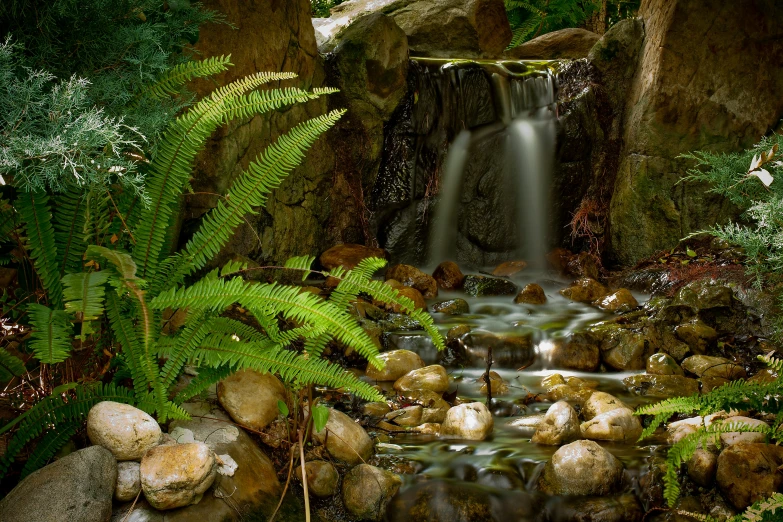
<point x="525" y="107"/>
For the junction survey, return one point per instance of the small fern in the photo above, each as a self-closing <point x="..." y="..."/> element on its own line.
<point x="50" y="339"/>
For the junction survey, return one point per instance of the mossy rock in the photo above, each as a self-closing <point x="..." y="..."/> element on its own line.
<point x="480" y="285"/>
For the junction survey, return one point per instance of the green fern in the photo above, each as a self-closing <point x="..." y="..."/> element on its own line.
<point x="49" y="445"/>
<point x="51" y="336"/>
<point x="69" y="230"/>
<point x="10" y="366"/>
<point x="765" y="510"/>
<point x="33" y="208"/>
<point x="84" y="294"/>
<point x="170" y="83"/>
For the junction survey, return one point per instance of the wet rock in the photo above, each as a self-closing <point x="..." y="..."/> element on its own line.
<point x="252" y="486"/>
<point x="623" y="508"/>
<point x="349" y="255"/>
<point x="345" y="440"/>
<point x="575" y="355"/>
<point x="624" y="348"/>
<point x="375" y="409"/>
<point x="735" y="437"/>
<point x="456" y="332"/>
<point x="528" y="425"/>
<point x="749" y="472"/>
<point x="177" y="475"/>
<point x="480" y="286"/>
<point x="619" y="425"/>
<point x="428" y="428"/>
<point x="433" y="377"/>
<point x="509" y="268"/>
<point x="582" y="264"/>
<point x="699" y="336"/>
<point x="619" y="302"/>
<point x="508" y="351"/>
<point x="568" y="43"/>
<point x="434" y="407"/>
<point x="704" y="294"/>
<point x="124" y="430"/>
<point x="397" y="364"/>
<point x="322" y="478"/>
<point x="128" y="481"/>
<point x="250" y="397"/>
<point x="560" y="425"/>
<point x="702" y="467"/>
<point x="367" y="490"/>
<point x="531" y="294"/>
<point x="407" y="416"/>
<point x="601" y="402"/>
<point x="678" y="430"/>
<point x="564" y="392"/>
<point x="764" y="376"/>
<point x="663" y="364"/>
<point x="452" y="307"/>
<point x="662" y="386"/>
<point x="448" y="276"/>
<point x="584" y="290"/>
<point x="78" y="487"/>
<point x="471" y="421"/>
<point x="707" y="366"/>
<point x="581" y="468"/>
<point x="413" y="277"/>
<point x="496" y="382"/>
<point x="405" y="291"/>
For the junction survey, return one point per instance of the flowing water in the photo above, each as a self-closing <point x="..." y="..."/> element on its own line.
<point x="498" y="476"/>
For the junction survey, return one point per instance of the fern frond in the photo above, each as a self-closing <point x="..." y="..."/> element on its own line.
<point x="56" y="410"/>
<point x="269" y="300"/>
<point x="49" y="445"/>
<point x="170" y="83"/>
<point x="252" y="187"/>
<point x="228" y="326"/>
<point x="765" y="510"/>
<point x="170" y="169"/>
<point x="69" y="230"/>
<point x="663" y="410"/>
<point x="206" y="377"/>
<point x="51" y="336"/>
<point x="10" y="366"/>
<point x="302" y="263"/>
<point x="140" y="367"/>
<point x="8" y="218"/>
<point x="185" y="344"/>
<point x="33" y="208"/>
<point x="292" y="367"/>
<point x="84" y="293"/>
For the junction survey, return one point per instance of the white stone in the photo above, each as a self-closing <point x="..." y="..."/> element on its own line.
<point x="560" y="425"/>
<point x="122" y="429"/>
<point x="619" y="425"/>
<point x="128" y="481"/>
<point x="471" y="421"/>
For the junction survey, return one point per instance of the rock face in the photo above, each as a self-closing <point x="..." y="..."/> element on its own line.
<point x="176" y="475"/>
<point x="451" y="28"/>
<point x="568" y="43"/>
<point x="471" y="421"/>
<point x="722" y="95"/>
<point x="124" y="430"/>
<point x="749" y="472"/>
<point x="397" y="364"/>
<point x="250" y="397"/>
<point x="78" y="487"/>
<point x="575" y="356"/>
<point x="581" y="468"/>
<point x="560" y="425"/>
<point x="345" y="440"/>
<point x="367" y="490"/>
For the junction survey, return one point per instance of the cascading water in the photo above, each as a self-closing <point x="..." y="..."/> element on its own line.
<point x="525" y="106"/>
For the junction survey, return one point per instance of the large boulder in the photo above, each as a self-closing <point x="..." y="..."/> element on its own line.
<point x="695" y="88"/>
<point x="448" y="28"/>
<point x="367" y="490"/>
<point x="748" y="472"/>
<point x="581" y="468"/>
<point x="78" y="488"/>
<point x="124" y="430"/>
<point x="251" y="397"/>
<point x="570" y="43"/>
<point x="345" y="440"/>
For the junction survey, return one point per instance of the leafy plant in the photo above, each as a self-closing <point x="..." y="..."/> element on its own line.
<point x="128" y="284"/>
<point x="532" y="18"/>
<point x="322" y="8"/>
<point x="738" y="395"/>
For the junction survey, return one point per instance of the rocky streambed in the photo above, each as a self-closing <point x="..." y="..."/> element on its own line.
<point x="569" y="358"/>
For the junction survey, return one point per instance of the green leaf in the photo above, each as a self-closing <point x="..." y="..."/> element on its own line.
<point x="690" y="252"/>
<point x="282" y="408"/>
<point x="84" y="294"/>
<point x="51" y="336"/>
<point x="320" y="417"/>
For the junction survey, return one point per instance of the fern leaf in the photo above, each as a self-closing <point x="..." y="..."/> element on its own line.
<point x="141" y="368"/>
<point x="171" y="82"/>
<point x="49" y="445"/>
<point x="302" y="263"/>
<point x="33" y="208"/>
<point x="170" y="169"/>
<point x="186" y="343"/>
<point x="251" y="189"/>
<point x="69" y="226"/>
<point x="206" y="377"/>
<point x="10" y="366"/>
<point x="270" y="300"/>
<point x="292" y="367"/>
<point x="51" y="336"/>
<point x="84" y="293"/>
